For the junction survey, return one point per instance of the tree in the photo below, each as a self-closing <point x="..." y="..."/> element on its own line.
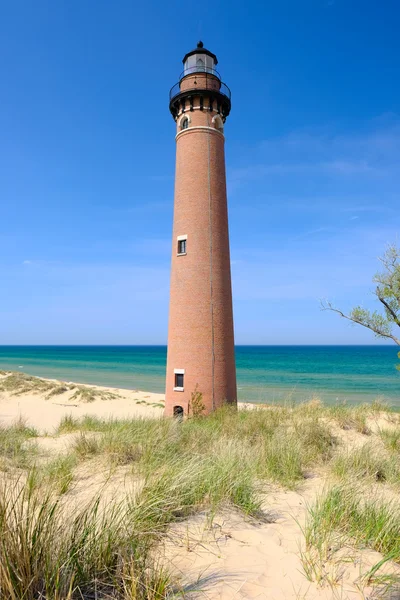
<point x="388" y="293"/>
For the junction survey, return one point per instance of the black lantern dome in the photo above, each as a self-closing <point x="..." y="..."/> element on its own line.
<point x="199" y="60"/>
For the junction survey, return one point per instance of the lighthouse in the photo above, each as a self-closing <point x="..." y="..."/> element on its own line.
<point x="201" y="356"/>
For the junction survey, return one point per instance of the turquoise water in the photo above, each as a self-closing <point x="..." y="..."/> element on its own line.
<point x="264" y="373"/>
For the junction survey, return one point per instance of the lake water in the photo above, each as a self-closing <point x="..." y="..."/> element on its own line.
<point x="264" y="373"/>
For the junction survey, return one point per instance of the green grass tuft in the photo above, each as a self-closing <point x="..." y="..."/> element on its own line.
<point x="14" y="441"/>
<point x="367" y="462"/>
<point x="345" y="511"/>
<point x="279" y="444"/>
<point x="59" y="472"/>
<point x="391" y="439"/>
<point x="85" y="446"/>
<point x="353" y="417"/>
<point x="94" y="551"/>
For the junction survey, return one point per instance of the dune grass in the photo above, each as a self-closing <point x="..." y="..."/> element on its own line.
<point x="279" y="445"/>
<point x="367" y="462"/>
<point x="391" y="439"/>
<point x="90" y="394"/>
<point x="52" y="549"/>
<point x="17" y="384"/>
<point x="347" y="516"/>
<point x="59" y="472"/>
<point x="94" y="551"/>
<point x="352" y="418"/>
<point x="356" y="417"/>
<point x="21" y="383"/>
<point x="13" y="445"/>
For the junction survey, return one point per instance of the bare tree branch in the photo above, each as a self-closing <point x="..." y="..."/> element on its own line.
<point x="388" y="308"/>
<point x="379" y="332"/>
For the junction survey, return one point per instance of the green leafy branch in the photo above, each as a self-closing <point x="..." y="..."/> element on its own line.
<point x="387" y="292"/>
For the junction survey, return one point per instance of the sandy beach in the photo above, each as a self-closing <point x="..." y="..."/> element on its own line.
<point x="226" y="555"/>
<point x="45" y="414"/>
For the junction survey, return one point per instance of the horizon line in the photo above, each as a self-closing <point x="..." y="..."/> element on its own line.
<point x="388" y="344"/>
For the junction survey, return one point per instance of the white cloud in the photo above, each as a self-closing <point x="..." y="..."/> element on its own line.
<point x="373" y="153"/>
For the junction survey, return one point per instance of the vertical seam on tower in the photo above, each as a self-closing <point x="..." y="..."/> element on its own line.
<point x="211" y="266"/>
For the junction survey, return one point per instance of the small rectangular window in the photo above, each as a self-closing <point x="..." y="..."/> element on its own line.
<point x="179" y="375"/>
<point x="179" y="380"/>
<point x="181" y="246"/>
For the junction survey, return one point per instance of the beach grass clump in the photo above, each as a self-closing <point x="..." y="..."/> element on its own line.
<point x="346" y="518"/>
<point x="85" y="445"/>
<point x="17" y="384"/>
<point x="317" y="440"/>
<point x="391" y="439"/>
<point x="70" y="424"/>
<point x="189" y="484"/>
<point x="51" y="550"/>
<point x="279" y="444"/>
<point x="59" y="472"/>
<point x="352" y="417"/>
<point x="367" y="462"/>
<point x="90" y="394"/>
<point x="58" y="389"/>
<point x="287" y="455"/>
<point x="161" y="450"/>
<point x="21" y="383"/>
<point x="346" y="514"/>
<point x="280" y="459"/>
<point x="356" y="417"/>
<point x="276" y="448"/>
<point x="14" y="449"/>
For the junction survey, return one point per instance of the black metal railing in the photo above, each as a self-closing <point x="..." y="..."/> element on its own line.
<point x="176" y="90"/>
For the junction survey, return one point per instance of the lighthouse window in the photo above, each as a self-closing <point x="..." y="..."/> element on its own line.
<point x="182" y="244"/>
<point x="185" y="123"/>
<point x="200" y="64"/>
<point x="182" y="247"/>
<point x="179" y="375"/>
<point x="179" y="380"/>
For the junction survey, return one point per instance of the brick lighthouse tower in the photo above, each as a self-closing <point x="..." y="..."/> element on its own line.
<point x="200" y="338"/>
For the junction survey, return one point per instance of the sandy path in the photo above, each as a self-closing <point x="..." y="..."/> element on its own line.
<point x="243" y="559"/>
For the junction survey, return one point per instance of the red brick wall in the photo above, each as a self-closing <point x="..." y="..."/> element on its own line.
<point x="200" y="81"/>
<point x="200" y="337"/>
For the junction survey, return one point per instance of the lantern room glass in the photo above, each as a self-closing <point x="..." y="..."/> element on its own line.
<point x="199" y="63"/>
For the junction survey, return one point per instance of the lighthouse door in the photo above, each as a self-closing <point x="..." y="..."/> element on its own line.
<point x="178" y="412"/>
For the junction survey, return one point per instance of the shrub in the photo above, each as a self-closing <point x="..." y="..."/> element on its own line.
<point x="196" y="405"/>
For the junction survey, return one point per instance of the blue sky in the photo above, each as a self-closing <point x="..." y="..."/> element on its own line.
<point x="87" y="156"/>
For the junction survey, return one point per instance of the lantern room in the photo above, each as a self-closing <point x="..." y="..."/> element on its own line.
<point x="200" y="60"/>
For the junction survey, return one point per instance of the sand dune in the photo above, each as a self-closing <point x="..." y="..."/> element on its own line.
<point x="45" y="413"/>
<point x="223" y="556"/>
